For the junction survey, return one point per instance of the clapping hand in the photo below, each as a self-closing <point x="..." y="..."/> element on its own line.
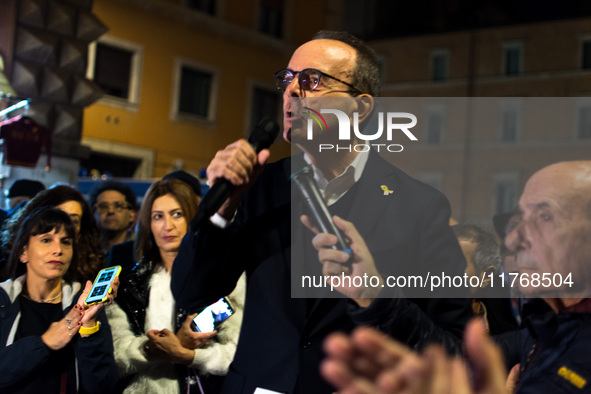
<point x="368" y="362"/>
<point x="91" y="311"/>
<point x="61" y="332"/>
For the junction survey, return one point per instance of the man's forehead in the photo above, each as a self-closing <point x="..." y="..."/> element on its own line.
<point x="111" y="194"/>
<point x="321" y="53"/>
<point x="327" y="45"/>
<point x="552" y="187"/>
<point x="556" y="201"/>
<point x="541" y="190"/>
<point x="527" y="206"/>
<point x="565" y="178"/>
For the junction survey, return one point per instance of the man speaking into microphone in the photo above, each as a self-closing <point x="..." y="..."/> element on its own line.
<point x="258" y="228"/>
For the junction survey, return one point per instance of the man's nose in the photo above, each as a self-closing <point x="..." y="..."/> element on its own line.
<point x="294" y="89"/>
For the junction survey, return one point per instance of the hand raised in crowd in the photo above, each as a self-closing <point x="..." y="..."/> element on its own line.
<point x="61" y="332"/>
<point x="370" y="362"/>
<point x="487" y="362"/>
<point x="191" y="339"/>
<point x="91" y="311"/>
<point x="336" y="262"/>
<point x="239" y="164"/>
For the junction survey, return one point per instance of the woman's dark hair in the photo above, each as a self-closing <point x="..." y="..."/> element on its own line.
<point x="41" y="221"/>
<point x="90" y="257"/>
<point x="145" y="245"/>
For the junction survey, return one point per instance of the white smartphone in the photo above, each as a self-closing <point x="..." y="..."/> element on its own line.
<point x="102" y="285"/>
<point x="212" y="316"/>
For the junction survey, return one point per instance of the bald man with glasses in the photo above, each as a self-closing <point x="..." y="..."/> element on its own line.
<point x="549" y="239"/>
<point x="256" y="231"/>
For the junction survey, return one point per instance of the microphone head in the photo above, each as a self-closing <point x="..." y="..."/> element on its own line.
<point x="263" y="134"/>
<point x="304" y="172"/>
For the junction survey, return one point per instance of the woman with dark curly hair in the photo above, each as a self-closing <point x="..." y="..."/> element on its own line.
<point x="73" y="203"/>
<point x="50" y="341"/>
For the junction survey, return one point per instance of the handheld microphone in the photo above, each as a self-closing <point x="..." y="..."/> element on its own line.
<point x="317" y="208"/>
<point x="261" y="137"/>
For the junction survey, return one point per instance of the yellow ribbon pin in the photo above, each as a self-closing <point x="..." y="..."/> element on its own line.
<point x="386" y="190"/>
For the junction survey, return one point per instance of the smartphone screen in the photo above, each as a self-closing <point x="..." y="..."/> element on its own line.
<point x="102" y="285"/>
<point x="212" y="316"/>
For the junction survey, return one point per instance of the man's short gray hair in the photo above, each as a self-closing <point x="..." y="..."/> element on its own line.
<point x="487" y="252"/>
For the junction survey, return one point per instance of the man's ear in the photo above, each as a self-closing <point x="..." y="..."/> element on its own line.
<point x="365" y="104"/>
<point x="487" y="272"/>
<point x="133" y="220"/>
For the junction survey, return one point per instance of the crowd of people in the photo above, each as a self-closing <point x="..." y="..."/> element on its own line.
<point x="370" y="339"/>
<point x="55" y="244"/>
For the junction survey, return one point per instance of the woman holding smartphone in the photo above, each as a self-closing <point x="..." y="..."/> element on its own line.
<point x="50" y="341"/>
<point x="150" y="356"/>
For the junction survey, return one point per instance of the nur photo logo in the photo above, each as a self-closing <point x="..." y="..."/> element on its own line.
<point x="387" y="122"/>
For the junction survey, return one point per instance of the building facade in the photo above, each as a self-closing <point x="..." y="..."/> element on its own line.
<point x="483" y="164"/>
<point x="182" y="79"/>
